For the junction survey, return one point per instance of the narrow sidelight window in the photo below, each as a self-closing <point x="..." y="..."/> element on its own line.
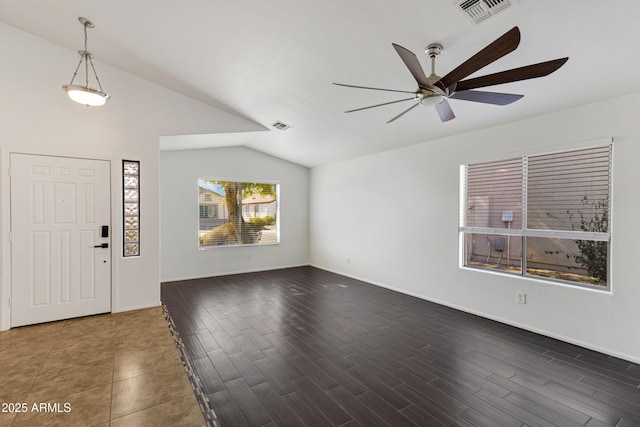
<point x="131" y="207"/>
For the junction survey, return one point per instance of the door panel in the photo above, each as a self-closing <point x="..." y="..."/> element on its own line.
<point x="58" y="206"/>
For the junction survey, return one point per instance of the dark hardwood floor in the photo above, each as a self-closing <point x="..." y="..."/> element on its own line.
<point x="305" y="347"/>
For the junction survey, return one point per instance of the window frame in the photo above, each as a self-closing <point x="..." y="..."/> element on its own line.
<point x="464" y="231"/>
<point x="240" y="181"/>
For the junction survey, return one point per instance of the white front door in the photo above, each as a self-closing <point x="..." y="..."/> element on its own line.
<point x="59" y="268"/>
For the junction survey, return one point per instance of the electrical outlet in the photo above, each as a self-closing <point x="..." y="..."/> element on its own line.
<point x="249" y="257"/>
<point x="348" y="260"/>
<point x="521" y="298"/>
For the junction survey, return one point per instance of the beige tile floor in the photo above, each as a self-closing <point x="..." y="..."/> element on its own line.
<point x="109" y="370"/>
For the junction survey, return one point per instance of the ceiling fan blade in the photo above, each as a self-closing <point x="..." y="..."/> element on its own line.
<point x="403" y="113"/>
<point x="444" y="111"/>
<point x="380" y="105"/>
<point x="495" y="98"/>
<point x="504" y="44"/>
<point x="411" y="61"/>
<point x="516" y="74"/>
<point x="374" y="88"/>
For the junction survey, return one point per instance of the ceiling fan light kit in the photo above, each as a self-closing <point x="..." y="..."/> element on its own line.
<point x="429" y="101"/>
<point x="435" y="90"/>
<point x="83" y="94"/>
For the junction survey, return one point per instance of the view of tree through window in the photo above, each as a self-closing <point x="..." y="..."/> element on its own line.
<point x="237" y="213"/>
<point x="540" y="215"/>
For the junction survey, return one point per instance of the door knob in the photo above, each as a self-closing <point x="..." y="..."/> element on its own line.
<point x="104" y="245"/>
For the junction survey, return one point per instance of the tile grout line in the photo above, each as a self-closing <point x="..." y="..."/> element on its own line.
<point x="113" y="371"/>
<point x="148" y="407"/>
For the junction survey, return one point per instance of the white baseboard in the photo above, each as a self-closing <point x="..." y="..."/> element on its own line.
<point x="229" y="273"/>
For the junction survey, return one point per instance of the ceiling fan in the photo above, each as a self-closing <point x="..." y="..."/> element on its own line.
<point x="435" y="90"/>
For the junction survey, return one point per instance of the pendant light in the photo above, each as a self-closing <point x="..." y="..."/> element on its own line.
<point x="83" y="94"/>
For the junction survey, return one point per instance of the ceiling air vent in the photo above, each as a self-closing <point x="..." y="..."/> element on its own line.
<point x="281" y="125"/>
<point x="477" y="10"/>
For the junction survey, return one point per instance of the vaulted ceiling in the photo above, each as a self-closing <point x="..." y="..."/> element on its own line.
<point x="268" y="61"/>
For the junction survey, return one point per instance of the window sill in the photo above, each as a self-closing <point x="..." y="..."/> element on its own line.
<point x="254" y="245"/>
<point x="542" y="281"/>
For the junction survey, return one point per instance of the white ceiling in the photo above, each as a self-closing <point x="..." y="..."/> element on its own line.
<point x="276" y="60"/>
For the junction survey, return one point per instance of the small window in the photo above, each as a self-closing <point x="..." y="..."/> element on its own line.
<point x="131" y="208"/>
<point x="541" y="215"/>
<point x="233" y="213"/>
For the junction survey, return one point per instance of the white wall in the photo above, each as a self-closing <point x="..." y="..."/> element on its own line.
<point x="179" y="173"/>
<point x="37" y="117"/>
<point x="415" y="248"/>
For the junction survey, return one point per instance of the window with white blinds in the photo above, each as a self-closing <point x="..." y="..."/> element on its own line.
<point x="233" y="213"/>
<point x="541" y="215"/>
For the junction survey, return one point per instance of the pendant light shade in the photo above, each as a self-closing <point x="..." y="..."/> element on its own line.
<point x="83" y="94"/>
<point x="86" y="96"/>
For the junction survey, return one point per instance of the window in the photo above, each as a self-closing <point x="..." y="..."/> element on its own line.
<point x="131" y="207"/>
<point x="208" y="211"/>
<point x="541" y="215"/>
<point x="233" y="213"/>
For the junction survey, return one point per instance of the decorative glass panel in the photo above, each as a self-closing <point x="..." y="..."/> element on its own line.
<point x="130" y="223"/>
<point x="131" y="207"/>
<point x="131" y="168"/>
<point x="130" y="181"/>
<point x="131" y="249"/>
<point x="131" y="195"/>
<point x="131" y="236"/>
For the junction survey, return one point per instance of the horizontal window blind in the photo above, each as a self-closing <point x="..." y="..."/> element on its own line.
<point x="567" y="190"/>
<point x="493" y="188"/>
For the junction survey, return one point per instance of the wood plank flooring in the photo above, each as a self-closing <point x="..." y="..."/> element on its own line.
<point x="305" y="347"/>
